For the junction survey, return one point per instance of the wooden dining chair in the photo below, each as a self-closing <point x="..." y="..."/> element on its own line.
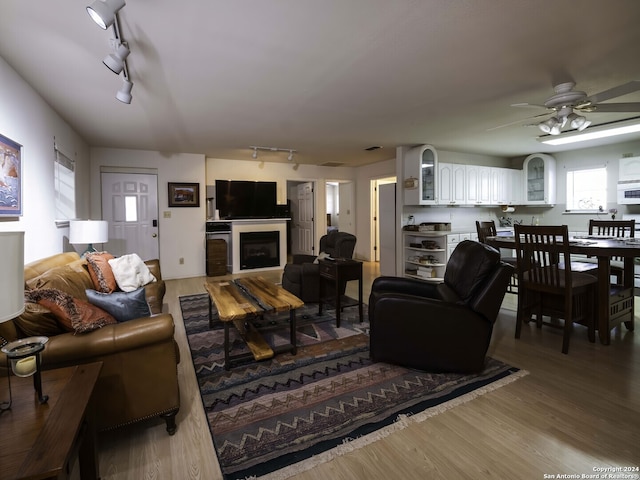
<point x="618" y="229"/>
<point x="548" y="289"/>
<point x="488" y="229"/>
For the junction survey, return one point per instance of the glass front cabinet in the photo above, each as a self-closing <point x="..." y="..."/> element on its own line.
<point x="539" y="179"/>
<point x="421" y="171"/>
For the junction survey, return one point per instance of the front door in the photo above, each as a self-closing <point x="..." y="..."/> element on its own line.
<point x="130" y="205"/>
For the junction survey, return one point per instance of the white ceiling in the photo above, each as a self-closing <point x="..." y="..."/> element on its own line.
<point x="325" y="77"/>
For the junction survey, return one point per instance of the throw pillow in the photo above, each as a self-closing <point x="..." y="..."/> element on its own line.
<point x="91" y="317"/>
<point x="130" y="272"/>
<point x="74" y="315"/>
<point x="122" y="306"/>
<point x="100" y="271"/>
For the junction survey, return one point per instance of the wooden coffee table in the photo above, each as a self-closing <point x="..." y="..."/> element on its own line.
<point x="40" y="440"/>
<point x="245" y="299"/>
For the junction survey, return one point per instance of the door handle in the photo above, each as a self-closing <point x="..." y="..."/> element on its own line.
<point x="154" y="235"/>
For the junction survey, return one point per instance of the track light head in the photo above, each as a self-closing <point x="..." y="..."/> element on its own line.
<point x="290" y="157"/>
<point x="255" y="153"/>
<point x="103" y="12"/>
<point x="115" y="61"/>
<point x="124" y="94"/>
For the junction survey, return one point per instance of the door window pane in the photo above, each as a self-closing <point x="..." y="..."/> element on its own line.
<point x="130" y="208"/>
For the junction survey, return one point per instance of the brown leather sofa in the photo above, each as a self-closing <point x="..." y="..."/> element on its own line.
<point x="139" y="378"/>
<point x="442" y="327"/>
<point x="302" y="277"/>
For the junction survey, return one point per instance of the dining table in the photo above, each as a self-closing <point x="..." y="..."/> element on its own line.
<point x="615" y="304"/>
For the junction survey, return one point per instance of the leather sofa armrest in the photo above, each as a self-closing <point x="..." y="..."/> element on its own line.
<point x="154" y="268"/>
<point x="108" y="340"/>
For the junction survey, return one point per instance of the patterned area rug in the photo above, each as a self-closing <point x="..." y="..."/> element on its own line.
<point x="275" y="418"/>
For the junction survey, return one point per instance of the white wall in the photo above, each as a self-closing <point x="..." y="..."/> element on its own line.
<point x="364" y="214"/>
<point x="26" y="119"/>
<point x="181" y="235"/>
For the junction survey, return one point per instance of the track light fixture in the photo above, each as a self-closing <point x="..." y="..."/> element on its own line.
<point x="103" y="12"/>
<point x="124" y="94"/>
<point x="115" y="61"/>
<point x="273" y="149"/>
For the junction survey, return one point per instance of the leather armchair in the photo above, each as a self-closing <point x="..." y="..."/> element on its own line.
<point x="442" y="327"/>
<point x="302" y="277"/>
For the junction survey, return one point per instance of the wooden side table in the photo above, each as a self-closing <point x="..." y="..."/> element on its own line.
<point x="338" y="272"/>
<point x="39" y="441"/>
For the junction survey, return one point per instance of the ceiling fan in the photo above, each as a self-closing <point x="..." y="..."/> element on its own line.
<point x="568" y="105"/>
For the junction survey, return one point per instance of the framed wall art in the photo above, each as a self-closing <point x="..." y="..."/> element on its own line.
<point x="10" y="178"/>
<point x="184" y="194"/>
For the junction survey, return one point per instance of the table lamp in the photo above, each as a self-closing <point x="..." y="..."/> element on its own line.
<point x="88" y="232"/>
<point x="11" y="285"/>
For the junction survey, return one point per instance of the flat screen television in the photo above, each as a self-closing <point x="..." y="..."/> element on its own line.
<point x="246" y="199"/>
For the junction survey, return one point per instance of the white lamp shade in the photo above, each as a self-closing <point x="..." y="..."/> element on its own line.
<point x="115" y="61"/>
<point x="11" y="275"/>
<point x="103" y="12"/>
<point x="88" y="231"/>
<point x="124" y="94"/>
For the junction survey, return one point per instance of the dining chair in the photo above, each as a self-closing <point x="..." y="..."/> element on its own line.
<point x="488" y="229"/>
<point x="549" y="289"/>
<point x="618" y="229"/>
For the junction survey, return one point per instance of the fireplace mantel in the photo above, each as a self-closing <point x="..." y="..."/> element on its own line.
<point x="258" y="225"/>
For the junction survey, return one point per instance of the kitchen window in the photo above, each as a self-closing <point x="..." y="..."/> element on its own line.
<point x="587" y="190"/>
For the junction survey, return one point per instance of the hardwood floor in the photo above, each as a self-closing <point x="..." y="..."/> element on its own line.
<point x="572" y="414"/>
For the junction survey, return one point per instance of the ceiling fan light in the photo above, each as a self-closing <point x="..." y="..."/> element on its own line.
<point x="584" y="125"/>
<point x="577" y="121"/>
<point x="115" y="61"/>
<point x="124" y="94"/>
<point x="103" y="12"/>
<point x="548" y="125"/>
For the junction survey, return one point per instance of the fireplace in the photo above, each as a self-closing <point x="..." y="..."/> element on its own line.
<point x="259" y="250"/>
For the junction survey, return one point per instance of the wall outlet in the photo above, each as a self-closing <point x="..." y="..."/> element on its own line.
<point x="181" y="260"/>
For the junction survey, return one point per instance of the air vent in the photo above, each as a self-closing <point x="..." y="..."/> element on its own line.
<point x="332" y="164"/>
<point x="372" y="148"/>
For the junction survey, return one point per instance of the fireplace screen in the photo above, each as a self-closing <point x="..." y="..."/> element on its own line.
<point x="259" y="250"/>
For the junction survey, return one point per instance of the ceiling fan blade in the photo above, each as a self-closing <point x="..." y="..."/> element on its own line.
<point x="528" y="105"/>
<point x="614" y="92"/>
<point x="516" y="122"/>
<point x="612" y="107"/>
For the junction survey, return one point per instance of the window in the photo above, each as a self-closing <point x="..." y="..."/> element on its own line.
<point x="587" y="189"/>
<point x="65" y="186"/>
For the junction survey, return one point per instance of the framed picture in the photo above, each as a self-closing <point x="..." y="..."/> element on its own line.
<point x="184" y="194"/>
<point x="10" y="178"/>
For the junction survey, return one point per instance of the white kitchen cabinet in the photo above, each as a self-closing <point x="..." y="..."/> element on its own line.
<point x="539" y="172"/>
<point x="451" y="184"/>
<point x="478" y="182"/>
<point x="500" y="186"/>
<point x="421" y="169"/>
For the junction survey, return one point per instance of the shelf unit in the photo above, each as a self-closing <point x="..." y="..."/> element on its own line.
<point x="435" y="258"/>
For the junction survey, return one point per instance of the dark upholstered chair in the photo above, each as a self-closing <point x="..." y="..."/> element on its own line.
<point x="442" y="327"/>
<point x="302" y="277"/>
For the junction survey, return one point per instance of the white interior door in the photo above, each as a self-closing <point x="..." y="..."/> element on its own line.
<point x="346" y="222"/>
<point x="303" y="239"/>
<point x="130" y="205"/>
